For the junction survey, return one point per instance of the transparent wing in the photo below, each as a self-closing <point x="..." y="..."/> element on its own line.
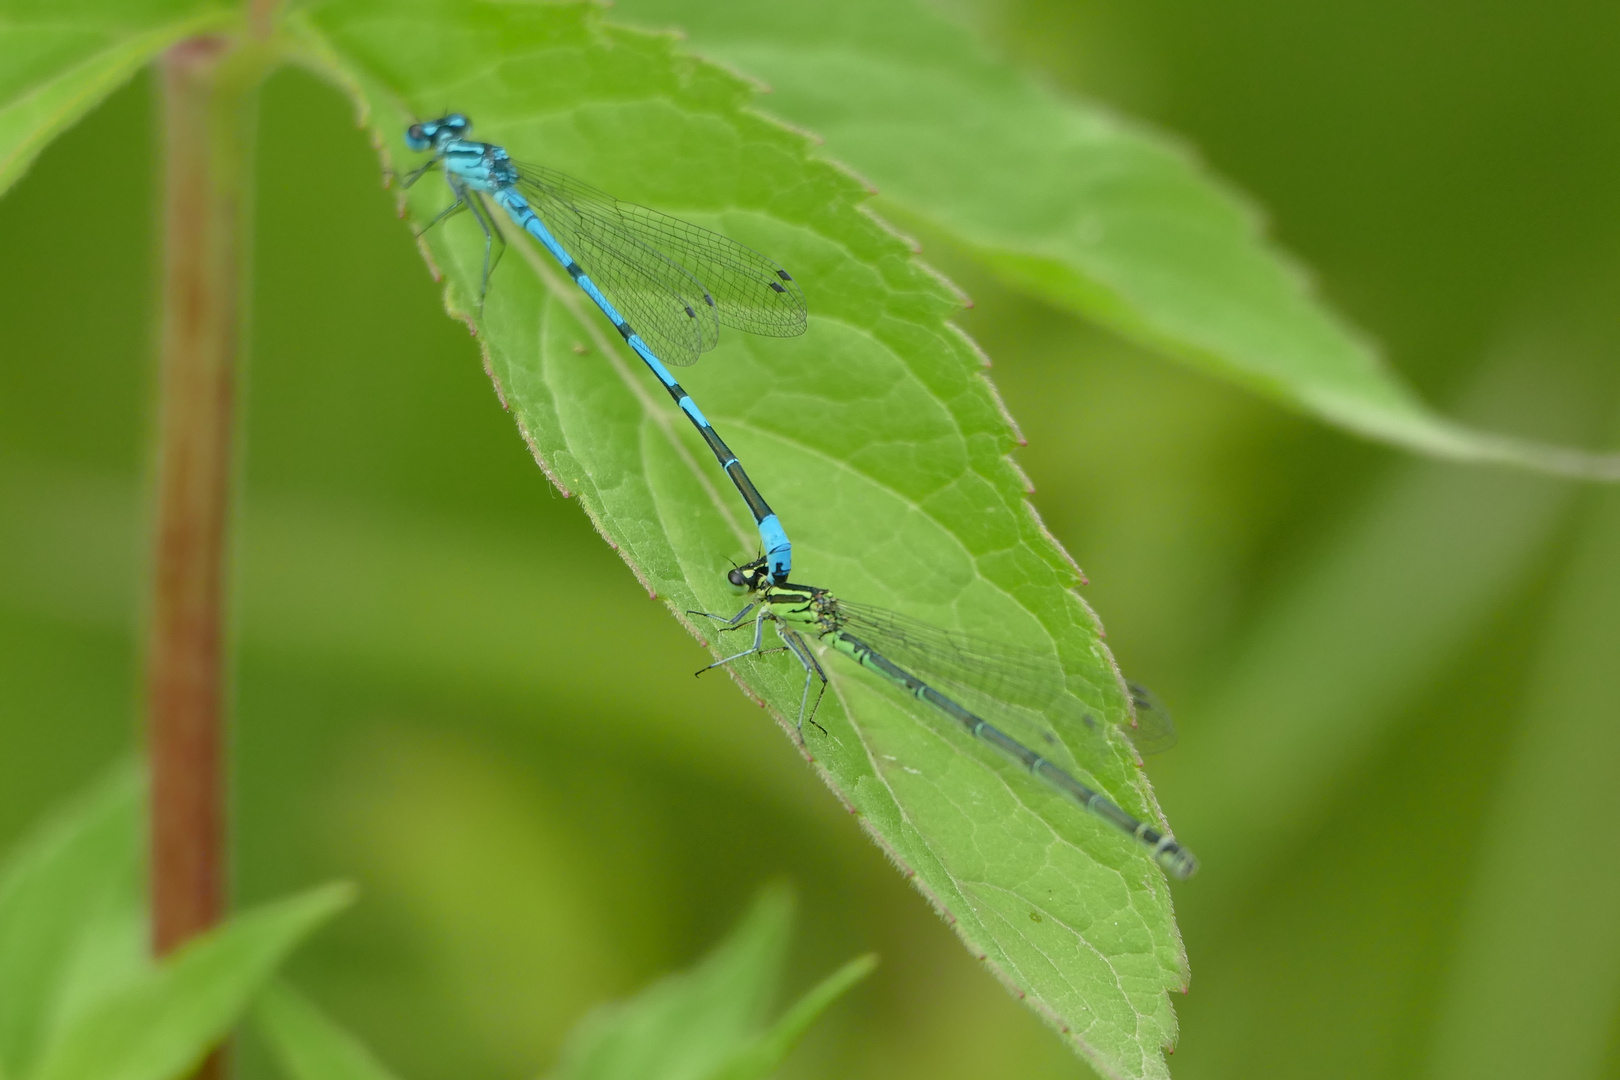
<point x="1020" y="691"/>
<point x="1025" y="689"/>
<point x="1154" y="732"/>
<point x="673" y="281"/>
<point x="1017" y="676"/>
<point x="662" y="301"/>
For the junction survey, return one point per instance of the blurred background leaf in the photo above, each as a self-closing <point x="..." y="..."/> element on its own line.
<point x="1075" y="205"/>
<point x="62" y="58"/>
<point x="1543" y="913"/>
<point x="1451" y="173"/>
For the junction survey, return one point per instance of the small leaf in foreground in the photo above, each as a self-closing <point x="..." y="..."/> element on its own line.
<point x="707" y="1022"/>
<point x="69" y="916"/>
<point x="308" y="1043"/>
<point x="765" y="1054"/>
<point x="165" y="1022"/>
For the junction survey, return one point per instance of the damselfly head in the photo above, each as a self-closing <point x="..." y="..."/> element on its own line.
<point x="431" y="133"/>
<point x="751" y="577"/>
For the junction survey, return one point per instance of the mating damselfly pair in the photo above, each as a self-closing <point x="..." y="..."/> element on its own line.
<point x="667" y="286"/>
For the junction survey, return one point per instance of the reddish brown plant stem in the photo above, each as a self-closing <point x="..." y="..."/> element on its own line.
<point x="261" y="18"/>
<point x="204" y="116"/>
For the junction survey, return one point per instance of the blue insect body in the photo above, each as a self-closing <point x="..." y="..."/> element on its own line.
<point x="665" y="284"/>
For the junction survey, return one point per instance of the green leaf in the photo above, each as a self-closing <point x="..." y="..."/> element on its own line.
<point x="1075" y="205"/>
<point x="705" y="1023"/>
<point x="765" y="1054"/>
<point x="309" y="1045"/>
<point x="876" y="437"/>
<point x="59" y="58"/>
<point x="164" y="1023"/>
<point x="70" y="926"/>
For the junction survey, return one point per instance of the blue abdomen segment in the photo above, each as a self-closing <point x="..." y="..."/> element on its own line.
<point x="778" y="548"/>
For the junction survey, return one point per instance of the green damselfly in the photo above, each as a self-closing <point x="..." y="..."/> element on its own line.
<point x="1015" y="684"/>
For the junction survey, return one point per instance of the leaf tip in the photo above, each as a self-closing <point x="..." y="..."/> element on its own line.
<point x="334" y="896"/>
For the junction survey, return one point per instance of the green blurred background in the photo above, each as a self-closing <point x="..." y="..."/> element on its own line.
<point x="1396" y="681"/>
